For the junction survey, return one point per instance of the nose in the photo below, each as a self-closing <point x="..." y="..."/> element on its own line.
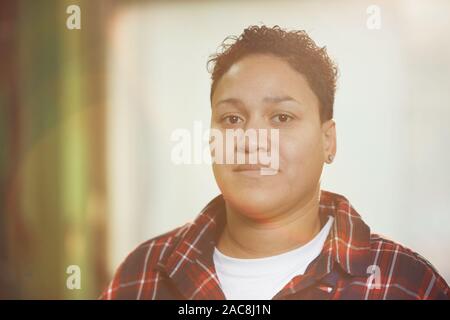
<point x="254" y="138"/>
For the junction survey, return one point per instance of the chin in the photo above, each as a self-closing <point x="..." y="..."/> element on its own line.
<point x="257" y="203"/>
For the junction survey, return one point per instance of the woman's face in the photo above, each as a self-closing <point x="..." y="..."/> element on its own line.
<point x="265" y="92"/>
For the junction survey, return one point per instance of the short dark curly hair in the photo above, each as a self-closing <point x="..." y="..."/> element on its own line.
<point x="295" y="47"/>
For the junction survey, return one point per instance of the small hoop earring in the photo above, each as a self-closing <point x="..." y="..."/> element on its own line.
<point x="330" y="158"/>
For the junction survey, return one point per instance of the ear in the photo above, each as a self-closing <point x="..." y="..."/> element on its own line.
<point x="329" y="140"/>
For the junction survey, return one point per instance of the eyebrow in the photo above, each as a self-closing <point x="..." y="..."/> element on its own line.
<point x="278" y="99"/>
<point x="269" y="99"/>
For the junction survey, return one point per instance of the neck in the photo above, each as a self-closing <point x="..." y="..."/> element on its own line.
<point x="248" y="238"/>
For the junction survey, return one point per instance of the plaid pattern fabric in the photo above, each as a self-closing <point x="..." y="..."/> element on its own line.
<point x="353" y="264"/>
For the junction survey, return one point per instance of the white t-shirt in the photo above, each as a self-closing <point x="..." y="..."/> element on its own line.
<point x="263" y="278"/>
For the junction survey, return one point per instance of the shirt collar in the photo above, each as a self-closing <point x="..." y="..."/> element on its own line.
<point x="348" y="243"/>
<point x="349" y="240"/>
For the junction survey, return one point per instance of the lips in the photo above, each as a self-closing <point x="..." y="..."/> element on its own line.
<point x="249" y="167"/>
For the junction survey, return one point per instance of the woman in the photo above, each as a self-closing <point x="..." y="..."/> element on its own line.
<point x="274" y="235"/>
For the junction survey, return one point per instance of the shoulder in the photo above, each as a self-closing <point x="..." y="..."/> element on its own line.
<point x="138" y="268"/>
<point x="153" y="248"/>
<point x="404" y="269"/>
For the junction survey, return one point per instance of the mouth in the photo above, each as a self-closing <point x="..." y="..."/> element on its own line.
<point x="249" y="167"/>
<point x="252" y="169"/>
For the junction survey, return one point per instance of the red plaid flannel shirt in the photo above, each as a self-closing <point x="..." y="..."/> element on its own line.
<point x="353" y="264"/>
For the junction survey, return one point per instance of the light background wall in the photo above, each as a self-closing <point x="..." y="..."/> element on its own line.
<point x="392" y="110"/>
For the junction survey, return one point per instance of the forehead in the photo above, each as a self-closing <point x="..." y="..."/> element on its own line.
<point x="253" y="78"/>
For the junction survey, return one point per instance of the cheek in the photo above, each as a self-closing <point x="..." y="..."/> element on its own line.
<point x="223" y="175"/>
<point x="220" y="170"/>
<point x="301" y="155"/>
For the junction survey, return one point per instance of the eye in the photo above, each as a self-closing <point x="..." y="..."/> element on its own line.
<point x="232" y="119"/>
<point x="282" y="117"/>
